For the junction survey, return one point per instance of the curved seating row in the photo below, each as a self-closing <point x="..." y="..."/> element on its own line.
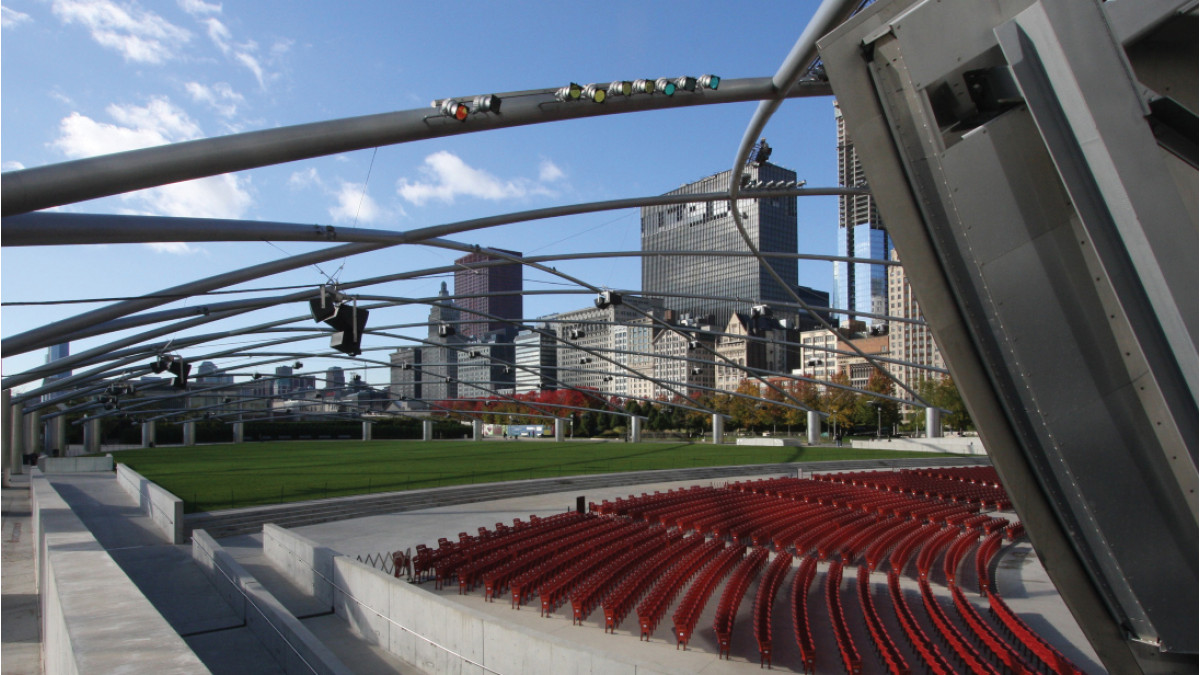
<point x="650" y="611"/>
<point x="800" y="616"/>
<point x="727" y="607"/>
<point x="688" y="612"/>
<point x="851" y="661"/>
<point x="630" y="590"/>
<point x="764" y="601"/>
<point x="885" y="646"/>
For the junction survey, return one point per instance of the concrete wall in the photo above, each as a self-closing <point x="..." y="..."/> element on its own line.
<point x="75" y="464"/>
<point x="164" y="509"/>
<point x="771" y="442"/>
<point x="959" y="445"/>
<point x="289" y="642"/>
<point x="91" y="611"/>
<point x="306" y="563"/>
<point x="442" y="637"/>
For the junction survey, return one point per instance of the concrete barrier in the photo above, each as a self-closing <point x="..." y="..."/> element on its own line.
<point x="772" y="442"/>
<point x="91" y="610"/>
<point x="75" y="464"/>
<point x="444" y="637"/>
<point x="289" y="642"/>
<point x="958" y="445"/>
<point x="164" y="509"/>
<point x="307" y="564"/>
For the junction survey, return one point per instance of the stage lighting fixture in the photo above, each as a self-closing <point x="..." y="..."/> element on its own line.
<point x="445" y="330"/>
<point x="607" y="299"/>
<point x="174" y="364"/>
<point x="297" y="365"/>
<point x="595" y="93"/>
<point x="620" y="88"/>
<point x="347" y="320"/>
<point x="486" y="103"/>
<point x="686" y="83"/>
<point x="576" y="334"/>
<point x="643" y="86"/>
<point x="693" y="344"/>
<point x="664" y="86"/>
<point x="709" y="81"/>
<point x="452" y="108"/>
<point x="257" y="376"/>
<point x="571" y="92"/>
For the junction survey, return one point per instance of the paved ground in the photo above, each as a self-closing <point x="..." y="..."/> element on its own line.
<point x="1023" y="584"/>
<point x="20" y="625"/>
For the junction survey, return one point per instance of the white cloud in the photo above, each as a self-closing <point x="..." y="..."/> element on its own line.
<point x="242" y="53"/>
<point x="175" y="248"/>
<point x="447" y="176"/>
<point x="198" y="7"/>
<point x="138" y="35"/>
<point x="157" y="123"/>
<point x="11" y="165"/>
<point x="306" y="178"/>
<point x="11" y="18"/>
<point x="354" y="205"/>
<point x="549" y="172"/>
<point x="220" y="97"/>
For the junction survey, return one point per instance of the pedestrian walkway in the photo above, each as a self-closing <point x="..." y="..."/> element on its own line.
<point x="20" y="625"/>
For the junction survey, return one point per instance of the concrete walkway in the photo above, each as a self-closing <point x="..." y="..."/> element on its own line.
<point x="165" y="574"/>
<point x="20" y="625"/>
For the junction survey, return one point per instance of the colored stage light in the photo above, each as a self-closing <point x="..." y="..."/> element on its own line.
<point x="686" y="83"/>
<point x="664" y="86"/>
<point x="620" y="88"/>
<point x="710" y="81"/>
<point x="487" y="103"/>
<point x="571" y="92"/>
<point x="452" y="108"/>
<point x="643" y="86"/>
<point x="595" y="93"/>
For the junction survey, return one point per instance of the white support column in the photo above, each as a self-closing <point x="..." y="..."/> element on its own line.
<point x="933" y="422"/>
<point x="814" y="427"/>
<point x="635" y="429"/>
<point x="189" y="433"/>
<point x="718" y="429"/>
<point x="477" y="430"/>
<point x="5" y="438"/>
<point x="149" y="434"/>
<point x="91" y="437"/>
<point x="33" y="432"/>
<point x="239" y="432"/>
<point x="558" y="430"/>
<point x="56" y="436"/>
<point x="16" y="423"/>
<point x="427" y="430"/>
<point x="366" y="431"/>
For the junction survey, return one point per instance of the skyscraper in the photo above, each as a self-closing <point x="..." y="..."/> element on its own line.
<point x="473" y="287"/>
<point x="731" y="284"/>
<point x="860" y="287"/>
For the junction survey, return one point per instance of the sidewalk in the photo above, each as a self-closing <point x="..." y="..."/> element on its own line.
<point x="20" y="627"/>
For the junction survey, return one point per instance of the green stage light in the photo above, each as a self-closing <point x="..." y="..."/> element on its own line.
<point x="710" y="81"/>
<point x="664" y="86"/>
<point x="620" y="88"/>
<point x="595" y="93"/>
<point x="571" y="92"/>
<point x="643" y="86"/>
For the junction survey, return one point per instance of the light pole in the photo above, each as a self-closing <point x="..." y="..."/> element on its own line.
<point x="878" y="418"/>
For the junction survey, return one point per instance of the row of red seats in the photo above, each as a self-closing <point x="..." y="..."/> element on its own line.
<point x="634" y="507"/>
<point x="555" y="590"/>
<point x="470" y="564"/>
<point x="800" y="617"/>
<point x="904" y="549"/>
<point x="885" y="646"/>
<point x="652" y="608"/>
<point x="764" y="600"/>
<point x="1002" y="653"/>
<point x="731" y="599"/>
<point x="618" y="603"/>
<point x="587" y="595"/>
<point x="453" y="555"/>
<point x="568" y="552"/>
<point x="954" y="555"/>
<point x="968" y="657"/>
<point x="982" y="475"/>
<point x="987" y="550"/>
<point x="912" y="482"/>
<point x="837" y="616"/>
<point x="688" y="612"/>
<point x="1030" y="641"/>
<point x="530" y="553"/>
<point x="917" y="639"/>
<point x="932" y="547"/>
<point x="882" y="547"/>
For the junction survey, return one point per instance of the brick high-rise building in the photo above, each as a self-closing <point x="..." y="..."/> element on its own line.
<point x="479" y="275"/>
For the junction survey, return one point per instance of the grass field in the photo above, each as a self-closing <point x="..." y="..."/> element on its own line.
<point x="226" y="476"/>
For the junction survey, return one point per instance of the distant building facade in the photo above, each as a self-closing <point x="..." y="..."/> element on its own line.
<point x="910" y="342"/>
<point x="858" y="287"/>
<point x="535" y="356"/>
<point x="477" y="282"/>
<point x="586" y="345"/>
<point x="737" y="282"/>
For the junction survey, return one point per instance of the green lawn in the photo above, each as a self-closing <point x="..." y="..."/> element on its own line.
<point x="226" y="476"/>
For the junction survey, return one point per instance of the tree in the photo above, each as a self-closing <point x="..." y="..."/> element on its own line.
<point x="840" y="403"/>
<point x="742" y="408"/>
<point x="944" y="394"/>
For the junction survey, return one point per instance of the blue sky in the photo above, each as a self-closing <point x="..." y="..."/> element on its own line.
<point x="86" y="77"/>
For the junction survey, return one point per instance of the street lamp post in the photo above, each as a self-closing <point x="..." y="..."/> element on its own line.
<point x="878" y="419"/>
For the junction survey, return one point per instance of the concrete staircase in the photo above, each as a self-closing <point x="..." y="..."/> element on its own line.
<point x="250" y="520"/>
